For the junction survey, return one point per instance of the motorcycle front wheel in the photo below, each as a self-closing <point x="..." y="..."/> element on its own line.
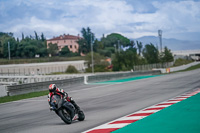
<point x="81" y="116"/>
<point x="65" y="116"/>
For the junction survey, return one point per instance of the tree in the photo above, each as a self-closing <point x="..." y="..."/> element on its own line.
<point x="139" y="46"/>
<point x="99" y="63"/>
<point x="65" y="51"/>
<point x="125" y="60"/>
<point x="22" y="36"/>
<point x="115" y="39"/>
<point x="83" y="46"/>
<point x="118" y="62"/>
<point x="130" y="58"/>
<point x="150" y="52"/>
<point x="88" y="35"/>
<point x="30" y="51"/>
<point x="4" y="39"/>
<point x="85" y="42"/>
<point x="42" y="37"/>
<point x="167" y="55"/>
<point x="36" y="36"/>
<point x="53" y="49"/>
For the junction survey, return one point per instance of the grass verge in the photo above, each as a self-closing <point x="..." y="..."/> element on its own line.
<point x="23" y="96"/>
<point x="190" y="68"/>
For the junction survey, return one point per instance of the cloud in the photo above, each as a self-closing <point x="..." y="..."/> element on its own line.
<point x="130" y="18"/>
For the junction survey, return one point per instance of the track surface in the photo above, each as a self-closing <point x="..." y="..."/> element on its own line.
<point x="101" y="103"/>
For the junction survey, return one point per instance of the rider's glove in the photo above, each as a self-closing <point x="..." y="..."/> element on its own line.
<point x="65" y="96"/>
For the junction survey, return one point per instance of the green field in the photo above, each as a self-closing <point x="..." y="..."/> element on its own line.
<point x="23" y="96"/>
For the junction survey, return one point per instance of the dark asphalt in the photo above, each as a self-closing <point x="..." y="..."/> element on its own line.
<point x="101" y="104"/>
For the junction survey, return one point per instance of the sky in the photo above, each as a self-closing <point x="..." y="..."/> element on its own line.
<point x="179" y="19"/>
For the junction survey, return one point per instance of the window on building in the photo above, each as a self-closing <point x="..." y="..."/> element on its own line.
<point x="64" y="41"/>
<point x="70" y="46"/>
<point x="75" y="46"/>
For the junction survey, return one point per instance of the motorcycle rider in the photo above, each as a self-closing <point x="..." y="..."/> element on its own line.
<point x="53" y="90"/>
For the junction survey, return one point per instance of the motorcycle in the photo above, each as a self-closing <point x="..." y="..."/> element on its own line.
<point x="66" y="110"/>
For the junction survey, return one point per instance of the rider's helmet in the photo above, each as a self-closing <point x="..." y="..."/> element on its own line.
<point x="52" y="87"/>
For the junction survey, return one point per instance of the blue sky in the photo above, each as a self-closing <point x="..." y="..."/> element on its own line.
<point x="132" y="18"/>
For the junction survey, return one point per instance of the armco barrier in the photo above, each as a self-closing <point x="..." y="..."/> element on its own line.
<point x="40" y="86"/>
<point x="104" y="77"/>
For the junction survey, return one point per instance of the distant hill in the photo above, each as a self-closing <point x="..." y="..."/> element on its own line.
<point x="171" y="43"/>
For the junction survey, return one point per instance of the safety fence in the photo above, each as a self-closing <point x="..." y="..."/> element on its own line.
<point x="153" y="66"/>
<point x="39" y="68"/>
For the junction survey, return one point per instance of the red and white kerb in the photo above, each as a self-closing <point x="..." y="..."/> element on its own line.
<point x="126" y="120"/>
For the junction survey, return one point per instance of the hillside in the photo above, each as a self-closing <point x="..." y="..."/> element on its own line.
<point x="171" y="43"/>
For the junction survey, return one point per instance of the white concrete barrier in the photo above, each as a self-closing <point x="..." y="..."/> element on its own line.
<point x="3" y="90"/>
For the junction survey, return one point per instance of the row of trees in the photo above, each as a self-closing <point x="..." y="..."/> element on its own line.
<point x="125" y="53"/>
<point x="27" y="47"/>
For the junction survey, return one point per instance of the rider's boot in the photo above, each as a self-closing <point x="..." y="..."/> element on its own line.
<point x="75" y="105"/>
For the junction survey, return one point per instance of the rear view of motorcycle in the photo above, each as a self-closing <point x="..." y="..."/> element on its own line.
<point x="66" y="110"/>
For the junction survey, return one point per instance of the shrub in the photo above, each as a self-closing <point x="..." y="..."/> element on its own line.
<point x="180" y="62"/>
<point x="71" y="69"/>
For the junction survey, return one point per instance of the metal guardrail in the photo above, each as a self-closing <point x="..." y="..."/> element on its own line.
<point x="40" y="86"/>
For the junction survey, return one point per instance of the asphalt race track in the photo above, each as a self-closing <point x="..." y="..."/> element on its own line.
<point x="101" y="103"/>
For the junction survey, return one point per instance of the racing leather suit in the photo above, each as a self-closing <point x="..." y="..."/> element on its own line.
<point x="62" y="94"/>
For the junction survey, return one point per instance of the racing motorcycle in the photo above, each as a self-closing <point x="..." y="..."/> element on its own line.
<point x="66" y="110"/>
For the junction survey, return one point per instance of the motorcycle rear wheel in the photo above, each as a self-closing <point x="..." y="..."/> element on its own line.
<point x="65" y="116"/>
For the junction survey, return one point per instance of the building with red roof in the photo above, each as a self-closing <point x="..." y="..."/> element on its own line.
<point x="65" y="40"/>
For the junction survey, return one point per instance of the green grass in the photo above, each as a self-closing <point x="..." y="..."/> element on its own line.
<point x="190" y="68"/>
<point x="23" y="96"/>
<point x="180" y="62"/>
<point x="39" y="60"/>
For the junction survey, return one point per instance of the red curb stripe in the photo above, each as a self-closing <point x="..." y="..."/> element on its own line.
<point x="159" y="108"/>
<point x="165" y="104"/>
<point x="140" y="114"/>
<point x="123" y="121"/>
<point x="182" y="97"/>
<point x="103" y="130"/>
<point x="175" y="100"/>
<point x="188" y="95"/>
